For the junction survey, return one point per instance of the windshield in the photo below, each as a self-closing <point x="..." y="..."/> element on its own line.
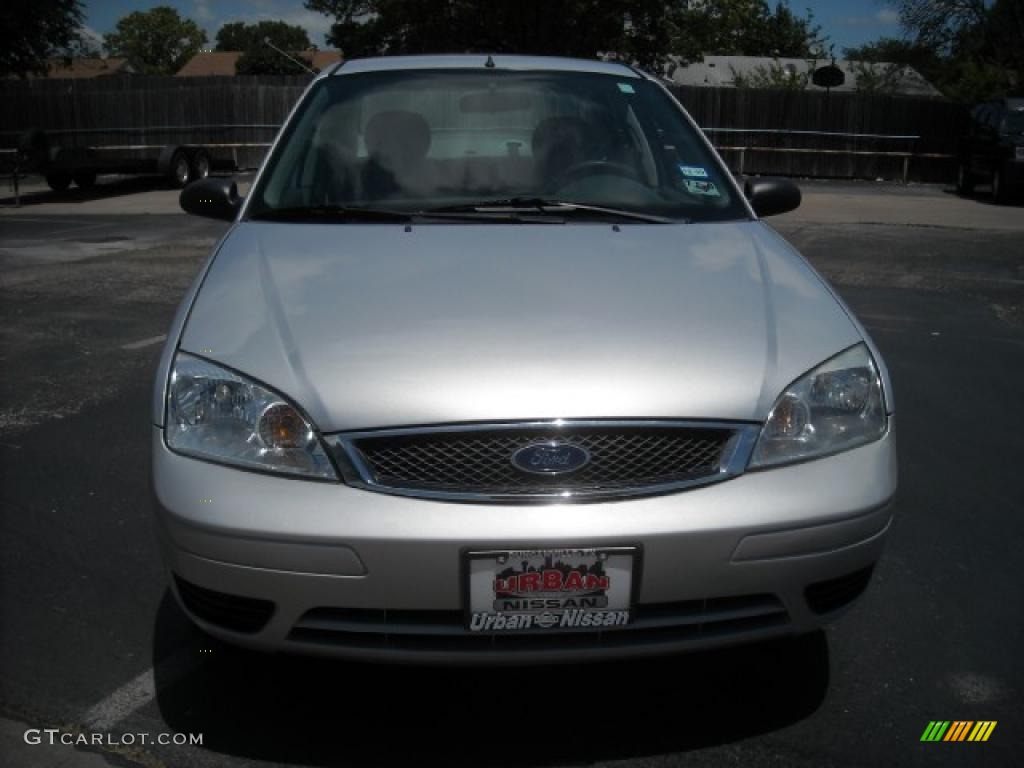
<point x="456" y="140"/>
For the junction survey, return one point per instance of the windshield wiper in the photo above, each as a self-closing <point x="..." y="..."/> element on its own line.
<point x="545" y="206"/>
<point x="330" y="213"/>
<point x="342" y="213"/>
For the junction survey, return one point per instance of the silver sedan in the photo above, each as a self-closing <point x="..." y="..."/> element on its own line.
<point x="497" y="362"/>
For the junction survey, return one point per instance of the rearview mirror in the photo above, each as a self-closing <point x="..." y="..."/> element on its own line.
<point x="769" y="197"/>
<point x="213" y="198"/>
<point x="495" y="101"/>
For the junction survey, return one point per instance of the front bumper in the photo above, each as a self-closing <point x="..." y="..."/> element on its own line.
<point x="354" y="573"/>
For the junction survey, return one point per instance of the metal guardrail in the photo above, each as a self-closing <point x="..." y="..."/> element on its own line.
<point x="155" y="129"/>
<point x="906" y="155"/>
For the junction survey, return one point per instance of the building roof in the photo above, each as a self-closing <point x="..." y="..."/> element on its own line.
<point x="500" y="60"/>
<point x="222" y="63"/>
<point x="91" y="67"/>
<point x="722" y="70"/>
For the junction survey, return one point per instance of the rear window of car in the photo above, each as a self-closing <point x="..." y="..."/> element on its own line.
<point x="415" y="140"/>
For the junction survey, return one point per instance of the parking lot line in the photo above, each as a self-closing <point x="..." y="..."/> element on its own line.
<point x="145" y="342"/>
<point x="137" y="693"/>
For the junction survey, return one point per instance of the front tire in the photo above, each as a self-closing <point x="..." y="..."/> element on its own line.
<point x="1000" y="194"/>
<point x="85" y="180"/>
<point x="58" y="182"/>
<point x="179" y="171"/>
<point x="200" y="165"/>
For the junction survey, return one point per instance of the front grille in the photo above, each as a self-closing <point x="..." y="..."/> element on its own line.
<point x="652" y="624"/>
<point x="239" y="614"/>
<point x="478" y="461"/>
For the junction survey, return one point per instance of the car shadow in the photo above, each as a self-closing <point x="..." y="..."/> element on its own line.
<point x="320" y="712"/>
<point x="985" y="198"/>
<point x="32" y="193"/>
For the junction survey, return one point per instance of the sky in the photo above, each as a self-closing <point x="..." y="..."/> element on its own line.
<point x="847" y="22"/>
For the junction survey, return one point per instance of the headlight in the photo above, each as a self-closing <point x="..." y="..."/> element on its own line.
<point x="216" y="414"/>
<point x="837" y="406"/>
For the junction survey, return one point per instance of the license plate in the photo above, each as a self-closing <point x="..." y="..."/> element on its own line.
<point x="549" y="590"/>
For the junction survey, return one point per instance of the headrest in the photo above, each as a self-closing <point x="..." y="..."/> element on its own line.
<point x="397" y="137"/>
<point x="562" y="134"/>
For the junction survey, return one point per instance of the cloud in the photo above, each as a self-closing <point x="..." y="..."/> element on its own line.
<point x="317" y="25"/>
<point x="91" y="35"/>
<point x="203" y="12"/>
<point x="886" y="16"/>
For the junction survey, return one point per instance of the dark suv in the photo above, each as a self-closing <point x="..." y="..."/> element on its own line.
<point x="993" y="150"/>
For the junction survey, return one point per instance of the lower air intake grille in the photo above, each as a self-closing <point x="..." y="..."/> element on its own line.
<point x="652" y="624"/>
<point x="239" y="614"/>
<point x="831" y="595"/>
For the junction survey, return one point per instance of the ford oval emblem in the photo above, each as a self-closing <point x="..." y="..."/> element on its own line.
<point x="550" y="458"/>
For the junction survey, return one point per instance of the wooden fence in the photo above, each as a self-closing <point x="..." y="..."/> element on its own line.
<point x="792" y="133"/>
<point x="829" y="135"/>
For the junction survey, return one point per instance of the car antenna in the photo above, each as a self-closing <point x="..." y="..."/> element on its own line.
<point x="266" y="40"/>
<point x="490" y="62"/>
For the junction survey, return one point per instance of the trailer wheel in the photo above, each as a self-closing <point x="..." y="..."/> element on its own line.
<point x="35" y="147"/>
<point x="58" y="182"/>
<point x="964" y="178"/>
<point x="200" y="164"/>
<point x="179" y="173"/>
<point x="85" y="180"/>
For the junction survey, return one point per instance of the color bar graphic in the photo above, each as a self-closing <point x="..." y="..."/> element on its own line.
<point x="982" y="730"/>
<point x="935" y="730"/>
<point x="958" y="730"/>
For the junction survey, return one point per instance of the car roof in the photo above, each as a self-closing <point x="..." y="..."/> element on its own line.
<point x="474" y="60"/>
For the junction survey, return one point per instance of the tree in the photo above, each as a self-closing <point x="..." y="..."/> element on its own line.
<point x="155" y="42"/>
<point x="257" y="57"/>
<point x="645" y="32"/>
<point x="34" y="31"/>
<point x="970" y="49"/>
<point x="896" y="54"/>
<point x="878" y="77"/>
<point x="775" y="75"/>
<point x="746" y="28"/>
<point x="940" y="23"/>
<point x="638" y="30"/>
<point x="239" y="36"/>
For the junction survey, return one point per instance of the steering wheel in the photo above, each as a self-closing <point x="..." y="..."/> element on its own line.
<point x="595" y="168"/>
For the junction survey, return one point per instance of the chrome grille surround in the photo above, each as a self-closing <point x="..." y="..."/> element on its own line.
<point x="472" y="462"/>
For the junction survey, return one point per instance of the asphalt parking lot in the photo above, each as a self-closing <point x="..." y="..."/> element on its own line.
<point x="90" y="641"/>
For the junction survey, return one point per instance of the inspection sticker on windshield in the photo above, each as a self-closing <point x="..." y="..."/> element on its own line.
<point x="693" y="171"/>
<point x="704" y="188"/>
<point x="626" y="88"/>
<point x="549" y="589"/>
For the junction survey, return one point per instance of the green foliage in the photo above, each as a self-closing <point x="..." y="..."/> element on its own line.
<point x="257" y="57"/>
<point x="645" y="32"/>
<point x="33" y="31"/>
<point x="775" y="75"/>
<point x="971" y="50"/>
<point x="746" y="28"/>
<point x="239" y="36"/>
<point x="264" y="60"/>
<point x="155" y="42"/>
<point x="874" y="77"/>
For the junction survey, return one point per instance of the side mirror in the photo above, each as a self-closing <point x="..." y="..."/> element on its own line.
<point x="769" y="197"/>
<point x="213" y="198"/>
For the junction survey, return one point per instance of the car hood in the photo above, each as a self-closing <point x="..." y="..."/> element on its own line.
<point x="375" y="325"/>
